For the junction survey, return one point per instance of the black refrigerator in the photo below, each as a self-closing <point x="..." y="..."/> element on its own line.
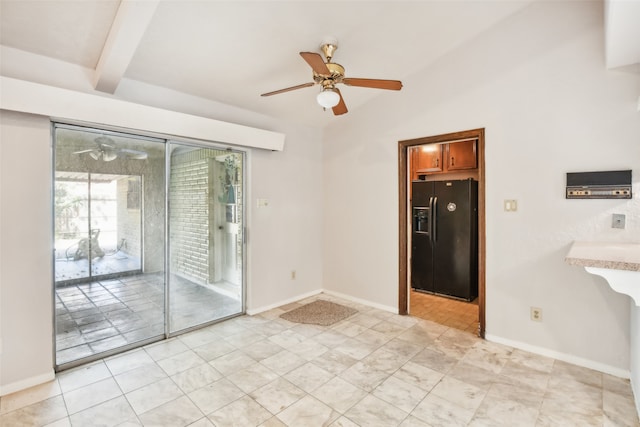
<point x="444" y="238"/>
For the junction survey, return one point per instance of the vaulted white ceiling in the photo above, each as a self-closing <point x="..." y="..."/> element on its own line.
<point x="232" y="51"/>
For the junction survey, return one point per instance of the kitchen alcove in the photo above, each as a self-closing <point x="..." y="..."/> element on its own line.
<point x="454" y="156"/>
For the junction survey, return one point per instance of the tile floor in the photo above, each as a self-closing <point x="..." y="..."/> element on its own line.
<point x="372" y="369"/>
<point x="113" y="262"/>
<point x="99" y="316"/>
<point x="445" y="311"/>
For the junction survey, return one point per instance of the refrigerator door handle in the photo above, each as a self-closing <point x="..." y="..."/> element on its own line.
<point x="429" y="230"/>
<point x="434" y="219"/>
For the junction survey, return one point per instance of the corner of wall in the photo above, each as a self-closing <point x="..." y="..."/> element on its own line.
<point x="257" y="310"/>
<point x="635" y="354"/>
<point x="26" y="383"/>
<point x="383" y="307"/>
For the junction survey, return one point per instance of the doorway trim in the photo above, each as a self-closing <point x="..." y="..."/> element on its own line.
<point x="403" y="209"/>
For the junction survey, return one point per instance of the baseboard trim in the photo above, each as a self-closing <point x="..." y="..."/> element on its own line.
<point x="635" y="388"/>
<point x="390" y="309"/>
<point x="254" y="311"/>
<point x="26" y="383"/>
<point x="569" y="358"/>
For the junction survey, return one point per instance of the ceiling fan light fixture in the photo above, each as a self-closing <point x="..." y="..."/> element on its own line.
<point x="108" y="156"/>
<point x="328" y="98"/>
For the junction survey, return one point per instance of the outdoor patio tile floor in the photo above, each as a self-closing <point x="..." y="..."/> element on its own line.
<point x="103" y="315"/>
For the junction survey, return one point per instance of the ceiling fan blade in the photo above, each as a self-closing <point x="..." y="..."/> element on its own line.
<point x="134" y="154"/>
<point x="316" y="62"/>
<point x="275" y="92"/>
<point x="341" y="108"/>
<point x="85" y="151"/>
<point x="374" y="83"/>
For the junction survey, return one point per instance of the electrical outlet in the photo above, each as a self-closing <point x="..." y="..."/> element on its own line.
<point x="618" y="221"/>
<point x="293" y="275"/>
<point x="536" y="314"/>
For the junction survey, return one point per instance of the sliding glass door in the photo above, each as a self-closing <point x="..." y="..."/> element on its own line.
<point x="128" y="269"/>
<point x="205" y="235"/>
<point x="109" y="228"/>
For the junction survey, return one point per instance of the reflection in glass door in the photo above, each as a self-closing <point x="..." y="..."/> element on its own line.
<point x="94" y="236"/>
<point x="109" y="228"/>
<point x="205" y="235"/>
<point x="114" y="287"/>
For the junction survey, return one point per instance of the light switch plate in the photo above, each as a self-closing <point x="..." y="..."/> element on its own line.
<point x="618" y="221"/>
<point x="510" y="205"/>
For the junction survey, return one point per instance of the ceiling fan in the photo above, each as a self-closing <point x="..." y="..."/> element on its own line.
<point x="328" y="74"/>
<point x="106" y="151"/>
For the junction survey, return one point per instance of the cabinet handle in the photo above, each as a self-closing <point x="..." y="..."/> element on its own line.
<point x="452" y="161"/>
<point x="437" y="162"/>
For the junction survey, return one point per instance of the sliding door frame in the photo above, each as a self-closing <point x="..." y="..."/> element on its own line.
<point x="134" y="134"/>
<point x="243" y="286"/>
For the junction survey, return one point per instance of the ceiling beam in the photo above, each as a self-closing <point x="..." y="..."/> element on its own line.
<point x="128" y="28"/>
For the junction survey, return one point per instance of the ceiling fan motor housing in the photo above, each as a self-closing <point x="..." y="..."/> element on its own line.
<point x="336" y="76"/>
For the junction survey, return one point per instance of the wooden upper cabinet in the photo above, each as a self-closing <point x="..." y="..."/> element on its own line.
<point x="427" y="158"/>
<point x="442" y="158"/>
<point x="461" y="155"/>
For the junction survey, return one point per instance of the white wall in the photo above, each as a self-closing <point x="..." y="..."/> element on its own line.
<point x="538" y="84"/>
<point x="635" y="353"/>
<point x="284" y="236"/>
<point x="26" y="245"/>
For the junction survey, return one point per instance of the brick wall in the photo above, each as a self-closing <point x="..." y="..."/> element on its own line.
<point x="189" y="210"/>
<point x="195" y="212"/>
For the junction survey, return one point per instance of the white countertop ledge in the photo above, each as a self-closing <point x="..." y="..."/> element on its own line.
<point x="610" y="255"/>
<point x="617" y="263"/>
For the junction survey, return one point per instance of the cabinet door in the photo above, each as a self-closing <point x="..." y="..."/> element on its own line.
<point x="429" y="158"/>
<point x="461" y="155"/>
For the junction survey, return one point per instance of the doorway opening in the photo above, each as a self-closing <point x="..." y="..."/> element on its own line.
<point x="448" y="165"/>
<point x="128" y="270"/>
